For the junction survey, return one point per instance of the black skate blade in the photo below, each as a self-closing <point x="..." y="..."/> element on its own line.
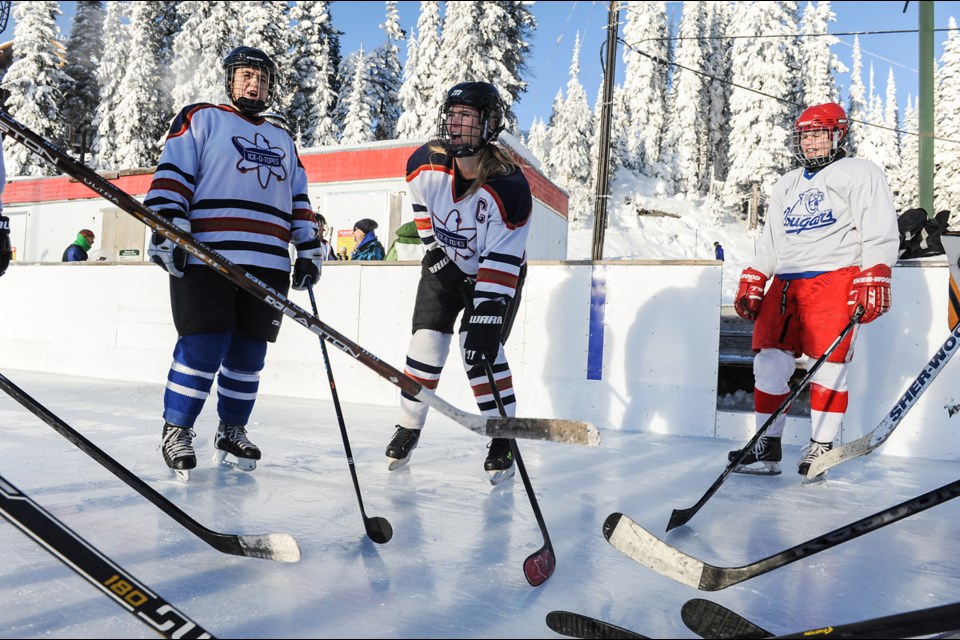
<point x="234" y="462"/>
<point x="395" y="464"/>
<point x="502" y="475"/>
<point x="772" y="470"/>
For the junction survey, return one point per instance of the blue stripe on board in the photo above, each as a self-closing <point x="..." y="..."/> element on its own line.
<point x="598" y="303"/>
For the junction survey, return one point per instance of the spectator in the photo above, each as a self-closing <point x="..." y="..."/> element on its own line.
<point x="368" y="247"/>
<point x="326" y="248"/>
<point x="407" y="245"/>
<point x="77" y="250"/>
<point x="718" y="251"/>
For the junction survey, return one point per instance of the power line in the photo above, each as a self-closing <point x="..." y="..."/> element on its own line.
<point x="661" y="61"/>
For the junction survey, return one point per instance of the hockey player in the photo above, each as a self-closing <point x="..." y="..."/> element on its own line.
<point x="471" y="204"/>
<point x="829" y="241"/>
<point x="234" y="181"/>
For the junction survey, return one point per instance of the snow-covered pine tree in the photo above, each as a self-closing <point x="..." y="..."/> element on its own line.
<point x="889" y="134"/>
<point x="385" y="77"/>
<point x="211" y="28"/>
<point x="266" y="27"/>
<point x="818" y="64"/>
<point x="82" y="95"/>
<point x="34" y="82"/>
<point x="905" y="181"/>
<point x="420" y="96"/>
<point x="947" y="126"/>
<point x="572" y="142"/>
<point x="868" y="135"/>
<point x="683" y="155"/>
<point x="143" y="98"/>
<point x="645" y="82"/>
<point x="357" y="105"/>
<point x="857" y="101"/>
<point x="311" y="112"/>
<point x="762" y="110"/>
<point x="486" y="42"/>
<point x="717" y="66"/>
<point x="113" y="66"/>
<point x="538" y="141"/>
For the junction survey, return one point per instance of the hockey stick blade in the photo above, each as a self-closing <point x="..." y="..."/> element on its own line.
<point x="681" y="516"/>
<point x="89" y="563"/>
<point x="643" y="547"/>
<point x="554" y="430"/>
<point x="575" y="625"/>
<point x="281" y="547"/>
<point x="710" y="620"/>
<point x="867" y="443"/>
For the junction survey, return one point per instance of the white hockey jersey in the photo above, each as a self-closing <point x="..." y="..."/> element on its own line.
<point x="485" y="233"/>
<point x="843" y="215"/>
<point x="240" y="183"/>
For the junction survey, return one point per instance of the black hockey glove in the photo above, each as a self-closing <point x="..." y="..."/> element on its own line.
<point x="5" y="250"/>
<point x="306" y="270"/>
<point x="166" y="252"/>
<point x="449" y="274"/>
<point x="483" y="332"/>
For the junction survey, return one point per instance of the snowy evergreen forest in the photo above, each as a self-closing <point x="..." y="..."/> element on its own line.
<point x="700" y="111"/>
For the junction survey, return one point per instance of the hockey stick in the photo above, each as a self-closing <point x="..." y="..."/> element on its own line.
<point x="710" y="620"/>
<point x="682" y="516"/>
<point x="93" y="566"/>
<point x="576" y="625"/>
<point x="555" y="430"/>
<point x="640" y="545"/>
<point x="378" y="529"/>
<point x="867" y="443"/>
<point x="540" y="564"/>
<point x="273" y="546"/>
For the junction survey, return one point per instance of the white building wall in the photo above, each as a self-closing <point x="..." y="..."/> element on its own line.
<point x="624" y="345"/>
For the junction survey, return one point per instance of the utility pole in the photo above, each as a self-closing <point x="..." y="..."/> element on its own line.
<point x="603" y="163"/>
<point x="927" y="109"/>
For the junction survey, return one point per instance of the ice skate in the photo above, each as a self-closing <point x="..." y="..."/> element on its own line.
<point x="766" y="451"/>
<point x="232" y="440"/>
<point x="499" y="462"/>
<point x="178" y="453"/>
<point x="401" y="446"/>
<point x="810" y="452"/>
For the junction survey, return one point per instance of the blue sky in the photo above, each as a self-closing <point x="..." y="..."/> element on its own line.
<point x="559" y="22"/>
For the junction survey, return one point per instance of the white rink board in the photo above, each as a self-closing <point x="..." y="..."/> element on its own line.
<point x="658" y="347"/>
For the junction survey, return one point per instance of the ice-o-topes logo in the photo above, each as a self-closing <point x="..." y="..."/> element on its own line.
<point x="261" y="157"/>
<point x="806" y="213"/>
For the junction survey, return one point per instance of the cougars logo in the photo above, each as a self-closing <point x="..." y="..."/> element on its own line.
<point x="797" y="219"/>
<point x="261" y="157"/>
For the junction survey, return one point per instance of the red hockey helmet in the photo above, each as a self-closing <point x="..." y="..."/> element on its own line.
<point x="829" y="117"/>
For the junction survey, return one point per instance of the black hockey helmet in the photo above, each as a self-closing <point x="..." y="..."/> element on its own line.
<point x="257" y="59"/>
<point x="483" y="97"/>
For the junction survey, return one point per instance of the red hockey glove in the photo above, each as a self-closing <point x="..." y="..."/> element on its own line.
<point x="749" y="294"/>
<point x="871" y="289"/>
